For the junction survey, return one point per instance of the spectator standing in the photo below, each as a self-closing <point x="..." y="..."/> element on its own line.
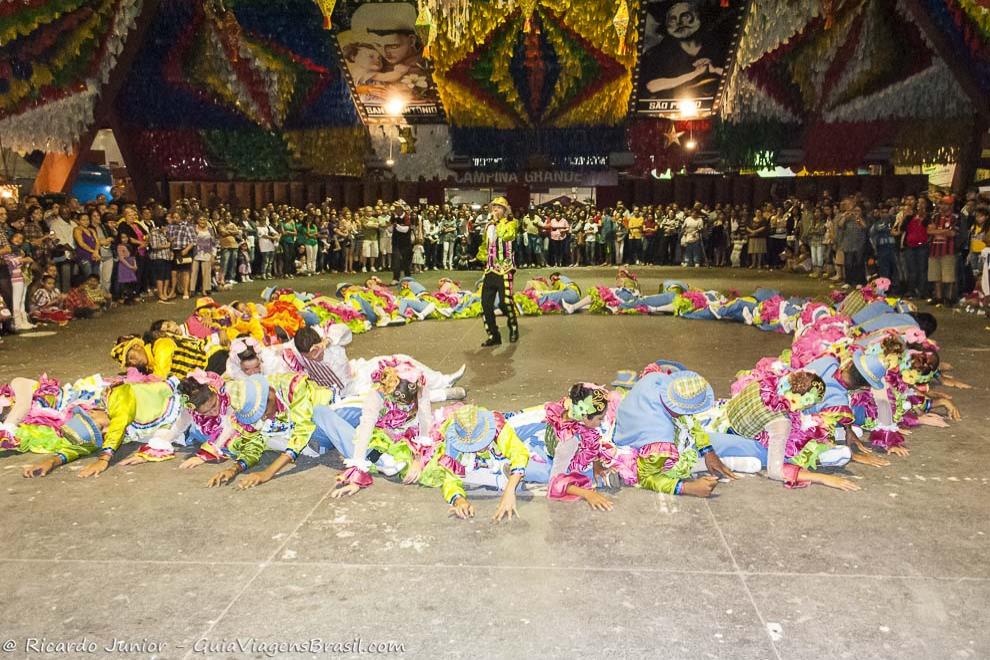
<point x="691" y="243"/>
<point x="160" y="260"/>
<point x="288" y="239"/>
<point x="267" y="239"/>
<point x="942" y="232"/>
<point x="916" y="251"/>
<point x="205" y="243"/>
<point x="854" y="242"/>
<point x="884" y="245"/>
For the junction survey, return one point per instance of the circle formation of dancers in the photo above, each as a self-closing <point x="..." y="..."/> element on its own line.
<point x="231" y="382"/>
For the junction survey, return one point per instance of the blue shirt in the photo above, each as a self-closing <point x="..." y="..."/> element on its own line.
<point x="642" y="418"/>
<point x="887" y="322"/>
<point x="836" y="393"/>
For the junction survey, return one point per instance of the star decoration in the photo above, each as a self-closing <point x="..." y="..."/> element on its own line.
<point x="673" y="136"/>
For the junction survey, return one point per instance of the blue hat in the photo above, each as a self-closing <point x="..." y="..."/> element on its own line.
<point x="471" y="429"/>
<point x="413" y="285"/>
<point x="670" y="366"/>
<point x="686" y="393"/>
<point x="764" y="293"/>
<point x="870" y="366"/>
<point x="672" y="284"/>
<point x="625" y="378"/>
<point x="266" y="293"/>
<point x="341" y="287"/>
<point x="81" y="429"/>
<point x="310" y="317"/>
<point x="249" y="398"/>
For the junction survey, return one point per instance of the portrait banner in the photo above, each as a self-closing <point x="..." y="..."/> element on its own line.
<point x="390" y="79"/>
<point x="685" y="47"/>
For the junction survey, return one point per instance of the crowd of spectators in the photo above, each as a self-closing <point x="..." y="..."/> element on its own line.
<point x="60" y="259"/>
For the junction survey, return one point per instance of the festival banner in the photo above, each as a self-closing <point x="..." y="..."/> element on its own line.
<point x="685" y="47"/>
<point x="384" y="63"/>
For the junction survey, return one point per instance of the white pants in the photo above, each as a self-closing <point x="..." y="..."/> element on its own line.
<point x="311" y="258"/>
<point x="106" y="274"/>
<point x="19" y="312"/>
<point x="448" y="255"/>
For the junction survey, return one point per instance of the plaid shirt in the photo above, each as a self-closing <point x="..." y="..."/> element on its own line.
<point x="159" y="244"/>
<point x="33" y="231"/>
<point x="4" y="240"/>
<point x="180" y="235"/>
<point x="747" y="413"/>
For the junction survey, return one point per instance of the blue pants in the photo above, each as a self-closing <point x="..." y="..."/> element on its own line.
<point x="693" y="254"/>
<point x="656" y="300"/>
<point x="335" y="429"/>
<point x="570" y="296"/>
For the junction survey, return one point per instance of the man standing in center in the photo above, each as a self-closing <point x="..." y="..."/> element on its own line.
<point x="496" y="254"/>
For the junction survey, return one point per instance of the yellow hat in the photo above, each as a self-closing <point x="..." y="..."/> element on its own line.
<point x="123" y="347"/>
<point x="501" y="201"/>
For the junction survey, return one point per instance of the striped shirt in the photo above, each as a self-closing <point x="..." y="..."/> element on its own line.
<point x="941" y="246"/>
<point x="177" y="356"/>
<point x="319" y="371"/>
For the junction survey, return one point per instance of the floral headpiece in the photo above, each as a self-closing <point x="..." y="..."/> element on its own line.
<point x="389" y="372"/>
<point x="797" y="401"/>
<point x="214" y="381"/>
<point x="910" y="374"/>
<point x="594" y="404"/>
<point x="241" y="344"/>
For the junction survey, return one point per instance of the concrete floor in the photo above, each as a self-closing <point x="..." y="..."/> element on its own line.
<point x="148" y="555"/>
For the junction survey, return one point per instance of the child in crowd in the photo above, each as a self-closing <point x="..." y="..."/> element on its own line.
<point x="127" y="277"/>
<point x="47" y="303"/>
<point x="797" y="263"/>
<point x="418" y="255"/>
<point x="738" y="243"/>
<point x="19" y="265"/>
<point x="244" y="263"/>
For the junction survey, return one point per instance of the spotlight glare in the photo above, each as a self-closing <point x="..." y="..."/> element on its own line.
<point x="687" y="107"/>
<point x="395" y="106"/>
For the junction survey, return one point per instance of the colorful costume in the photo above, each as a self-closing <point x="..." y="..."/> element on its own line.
<point x="497" y="255"/>
<point x="472" y="446"/>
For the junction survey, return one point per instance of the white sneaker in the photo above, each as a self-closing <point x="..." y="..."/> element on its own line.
<point x="457" y="375"/>
<point x="454" y="394"/>
<point x="429" y="309"/>
<point x="742" y="464"/>
<point x="568" y="307"/>
<point x="389" y="466"/>
<point x="835" y="457"/>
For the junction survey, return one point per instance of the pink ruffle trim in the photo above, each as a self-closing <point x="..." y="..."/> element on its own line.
<point x="149" y="453"/>
<point x="357" y="476"/>
<point x="559" y="485"/>
<point x="791" y="473"/>
<point x="885" y="439"/>
<point x="454" y="466"/>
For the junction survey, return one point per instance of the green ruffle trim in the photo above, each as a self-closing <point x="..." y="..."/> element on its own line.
<point x="400" y="451"/>
<point x="433" y="475"/>
<point x="597" y="302"/>
<point x="470" y="312"/>
<point x="808" y="456"/>
<point x="41" y="439"/>
<point x="527" y="305"/>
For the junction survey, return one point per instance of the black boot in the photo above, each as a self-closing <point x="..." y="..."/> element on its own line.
<point x="493" y="340"/>
<point x="513" y="333"/>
